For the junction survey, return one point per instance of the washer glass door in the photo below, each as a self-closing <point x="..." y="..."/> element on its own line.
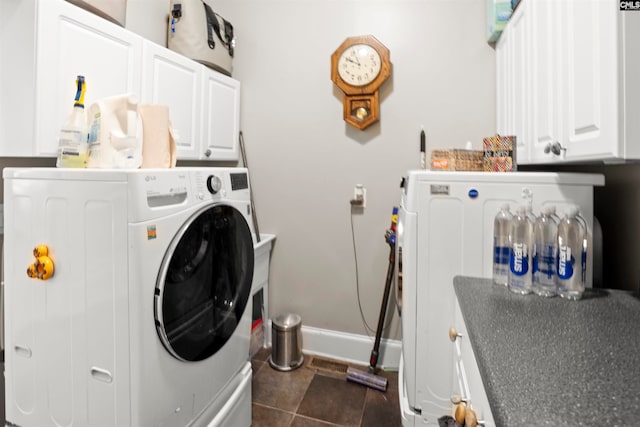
<point x="204" y="283"/>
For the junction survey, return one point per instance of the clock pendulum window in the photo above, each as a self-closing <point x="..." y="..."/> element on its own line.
<point x="359" y="66"/>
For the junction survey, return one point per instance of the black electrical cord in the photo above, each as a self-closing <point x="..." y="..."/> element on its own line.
<point x="355" y="257"/>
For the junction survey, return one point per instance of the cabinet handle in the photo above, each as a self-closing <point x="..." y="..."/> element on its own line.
<point x="461" y="414"/>
<point x="470" y="419"/>
<point x="23" y="351"/>
<point x="207" y="153"/>
<point x="101" y="375"/>
<point x="453" y="334"/>
<point x="464" y="413"/>
<point x="456" y="398"/>
<point x="555" y="148"/>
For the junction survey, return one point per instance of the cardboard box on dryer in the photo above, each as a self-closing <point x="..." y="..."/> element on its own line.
<point x="112" y="10"/>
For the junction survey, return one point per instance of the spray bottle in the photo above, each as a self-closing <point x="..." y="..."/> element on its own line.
<point x="72" y="143"/>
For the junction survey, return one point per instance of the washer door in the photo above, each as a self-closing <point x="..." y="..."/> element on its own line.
<point x="204" y="283"/>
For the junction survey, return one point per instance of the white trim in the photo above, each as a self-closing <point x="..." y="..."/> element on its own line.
<point x="351" y="348"/>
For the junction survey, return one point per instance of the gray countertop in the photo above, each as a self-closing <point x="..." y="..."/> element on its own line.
<point x="549" y="361"/>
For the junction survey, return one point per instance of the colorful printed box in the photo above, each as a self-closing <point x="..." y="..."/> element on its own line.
<point x="500" y="153"/>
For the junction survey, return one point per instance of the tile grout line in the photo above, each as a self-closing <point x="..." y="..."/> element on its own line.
<point x="316" y="371"/>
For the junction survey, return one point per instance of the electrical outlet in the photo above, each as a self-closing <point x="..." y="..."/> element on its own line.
<point x="359" y="196"/>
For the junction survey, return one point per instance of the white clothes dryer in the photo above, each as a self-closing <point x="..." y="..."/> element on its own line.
<point x="146" y="318"/>
<point x="445" y="228"/>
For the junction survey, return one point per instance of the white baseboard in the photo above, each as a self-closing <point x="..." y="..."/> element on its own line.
<point x="349" y="348"/>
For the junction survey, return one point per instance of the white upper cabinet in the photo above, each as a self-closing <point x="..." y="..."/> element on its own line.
<point x="590" y="80"/>
<point x="503" y="85"/>
<point x="204" y="105"/>
<point x="175" y="81"/>
<point x="580" y="98"/>
<point x="545" y="78"/>
<point x="512" y="72"/>
<point x="221" y="116"/>
<point x="46" y="44"/>
<point x="520" y="67"/>
<point x="53" y="42"/>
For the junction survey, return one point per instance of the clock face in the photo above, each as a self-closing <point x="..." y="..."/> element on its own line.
<point x="359" y="65"/>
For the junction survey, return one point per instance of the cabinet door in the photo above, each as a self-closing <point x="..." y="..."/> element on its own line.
<point x="221" y="117"/>
<point x="520" y="69"/>
<point x="513" y="85"/>
<point x="547" y="52"/>
<point x="589" y="84"/>
<point x="470" y="380"/>
<point x="504" y="85"/>
<point x="175" y="81"/>
<point x="72" y="42"/>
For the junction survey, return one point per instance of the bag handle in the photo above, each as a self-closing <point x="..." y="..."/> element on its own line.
<point x="213" y="23"/>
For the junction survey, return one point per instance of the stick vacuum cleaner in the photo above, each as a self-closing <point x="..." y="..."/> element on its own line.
<point x="370" y="379"/>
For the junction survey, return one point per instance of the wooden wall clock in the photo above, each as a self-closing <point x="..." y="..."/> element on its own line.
<point x="359" y="66"/>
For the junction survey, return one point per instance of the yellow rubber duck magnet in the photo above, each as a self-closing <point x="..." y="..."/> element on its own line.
<point x="43" y="267"/>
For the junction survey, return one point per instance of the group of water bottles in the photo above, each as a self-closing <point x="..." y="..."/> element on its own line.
<point x="546" y="255"/>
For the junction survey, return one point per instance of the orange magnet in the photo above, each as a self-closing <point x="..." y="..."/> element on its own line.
<point x="44" y="267"/>
<point x="41" y="250"/>
<point x="31" y="271"/>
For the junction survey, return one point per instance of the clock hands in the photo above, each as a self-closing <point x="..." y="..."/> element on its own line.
<point x="354" y="54"/>
<point x="354" y="71"/>
<point x="352" y="61"/>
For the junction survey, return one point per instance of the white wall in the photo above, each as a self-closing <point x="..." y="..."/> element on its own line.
<point x="304" y="160"/>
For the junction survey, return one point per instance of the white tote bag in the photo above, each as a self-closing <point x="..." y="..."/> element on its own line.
<point x="199" y="33"/>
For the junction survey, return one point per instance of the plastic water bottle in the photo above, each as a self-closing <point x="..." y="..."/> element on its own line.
<point x="545" y="232"/>
<point x="520" y="257"/>
<point x="501" y="225"/>
<point x="572" y="255"/>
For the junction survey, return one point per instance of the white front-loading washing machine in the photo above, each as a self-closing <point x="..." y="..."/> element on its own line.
<point x="145" y="317"/>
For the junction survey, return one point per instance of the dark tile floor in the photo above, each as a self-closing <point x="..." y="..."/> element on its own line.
<point x="316" y="396"/>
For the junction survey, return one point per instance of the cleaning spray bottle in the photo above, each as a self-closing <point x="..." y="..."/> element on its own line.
<point x="72" y="143"/>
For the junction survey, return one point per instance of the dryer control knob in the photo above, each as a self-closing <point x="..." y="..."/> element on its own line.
<point x="214" y="184"/>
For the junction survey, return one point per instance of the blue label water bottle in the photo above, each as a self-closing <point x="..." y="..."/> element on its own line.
<point x="501" y="225"/>
<point x="520" y="258"/>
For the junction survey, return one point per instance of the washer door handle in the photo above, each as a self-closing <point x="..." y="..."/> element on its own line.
<point x="23" y="351"/>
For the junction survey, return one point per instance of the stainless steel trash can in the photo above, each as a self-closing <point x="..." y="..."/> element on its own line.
<point x="286" y="342"/>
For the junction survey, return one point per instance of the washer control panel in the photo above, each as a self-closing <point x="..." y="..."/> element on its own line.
<point x="155" y="192"/>
<point x="166" y="190"/>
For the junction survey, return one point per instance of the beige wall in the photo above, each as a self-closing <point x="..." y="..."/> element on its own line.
<point x="305" y="161"/>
